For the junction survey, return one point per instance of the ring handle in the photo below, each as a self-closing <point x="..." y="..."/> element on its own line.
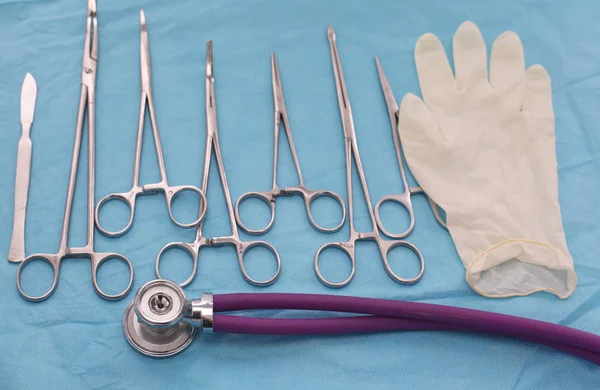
<point x="404" y="201"/>
<point x="126" y="197"/>
<point x="386" y="246"/>
<point x="348" y="249"/>
<point x="266" y="197"/>
<point x="172" y="191"/>
<point x="245" y="247"/>
<point x="310" y="196"/>
<point x="54" y="261"/>
<point x="190" y="249"/>
<point x="97" y="260"/>
<point x="435" y="208"/>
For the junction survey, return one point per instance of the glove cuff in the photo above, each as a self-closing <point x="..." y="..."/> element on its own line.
<point x="518" y="267"/>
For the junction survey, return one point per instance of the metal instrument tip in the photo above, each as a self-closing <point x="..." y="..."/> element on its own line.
<point x="331" y="34"/>
<point x="142" y="17"/>
<point x="92" y="8"/>
<point x="379" y="67"/>
<point x="209" y="59"/>
<point x="275" y="71"/>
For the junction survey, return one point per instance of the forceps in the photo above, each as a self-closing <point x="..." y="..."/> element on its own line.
<point x="269" y="197"/>
<point x="404" y="198"/>
<point x="86" y="101"/>
<point x="212" y="141"/>
<point x="351" y="147"/>
<point x="136" y="190"/>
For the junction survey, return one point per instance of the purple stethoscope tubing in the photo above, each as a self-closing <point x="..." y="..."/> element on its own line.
<point x="365" y="324"/>
<point x="381" y="315"/>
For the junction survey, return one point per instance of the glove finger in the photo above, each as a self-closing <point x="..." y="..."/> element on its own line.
<point x="507" y="65"/>
<point x="435" y="75"/>
<point x="537" y="98"/>
<point x="416" y="125"/>
<point x="422" y="142"/>
<point x="470" y="58"/>
<point x="537" y="107"/>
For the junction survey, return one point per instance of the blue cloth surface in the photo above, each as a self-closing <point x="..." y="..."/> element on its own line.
<point x="75" y="340"/>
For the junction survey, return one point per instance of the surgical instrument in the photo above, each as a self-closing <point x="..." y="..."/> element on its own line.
<point x="129" y="198"/>
<point x="212" y="141"/>
<point x="404" y="199"/>
<point x="269" y="197"/>
<point x="351" y="147"/>
<point x="86" y="102"/>
<point x="16" y="252"/>
<point x="162" y="322"/>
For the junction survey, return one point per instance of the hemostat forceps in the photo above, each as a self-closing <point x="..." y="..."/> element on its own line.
<point x="403" y="198"/>
<point x="136" y="190"/>
<point x="269" y="197"/>
<point x="86" y="101"/>
<point x="212" y="141"/>
<point x="351" y="147"/>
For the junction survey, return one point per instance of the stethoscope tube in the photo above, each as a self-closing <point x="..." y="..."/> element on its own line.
<point x="224" y="323"/>
<point x="162" y="331"/>
<point x="487" y="321"/>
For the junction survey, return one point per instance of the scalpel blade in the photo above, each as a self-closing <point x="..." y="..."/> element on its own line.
<point x="16" y="252"/>
<point x="28" y="96"/>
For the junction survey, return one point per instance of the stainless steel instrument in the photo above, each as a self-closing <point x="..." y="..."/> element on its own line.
<point x="212" y="143"/>
<point x="129" y="198"/>
<point x="86" y="103"/>
<point x="16" y="252"/>
<point x="351" y="146"/>
<point x="307" y="194"/>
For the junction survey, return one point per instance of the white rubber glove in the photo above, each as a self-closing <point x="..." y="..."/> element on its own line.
<point x="484" y="150"/>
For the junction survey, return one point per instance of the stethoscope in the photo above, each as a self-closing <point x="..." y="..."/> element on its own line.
<point x="162" y="322"/>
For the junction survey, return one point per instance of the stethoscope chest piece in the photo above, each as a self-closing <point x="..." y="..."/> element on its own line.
<point x="152" y="322"/>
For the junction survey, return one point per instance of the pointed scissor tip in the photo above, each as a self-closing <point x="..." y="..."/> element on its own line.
<point x="330" y="33"/>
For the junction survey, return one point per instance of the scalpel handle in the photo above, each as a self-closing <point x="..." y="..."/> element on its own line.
<point x="16" y="252"/>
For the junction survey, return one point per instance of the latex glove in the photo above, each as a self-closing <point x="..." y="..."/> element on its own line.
<point x="484" y="150"/>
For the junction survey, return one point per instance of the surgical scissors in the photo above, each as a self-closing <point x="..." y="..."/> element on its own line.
<point x="212" y="141"/>
<point x="404" y="199"/>
<point x="86" y="101"/>
<point x="129" y="198"/>
<point x="351" y="147"/>
<point x="269" y="197"/>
